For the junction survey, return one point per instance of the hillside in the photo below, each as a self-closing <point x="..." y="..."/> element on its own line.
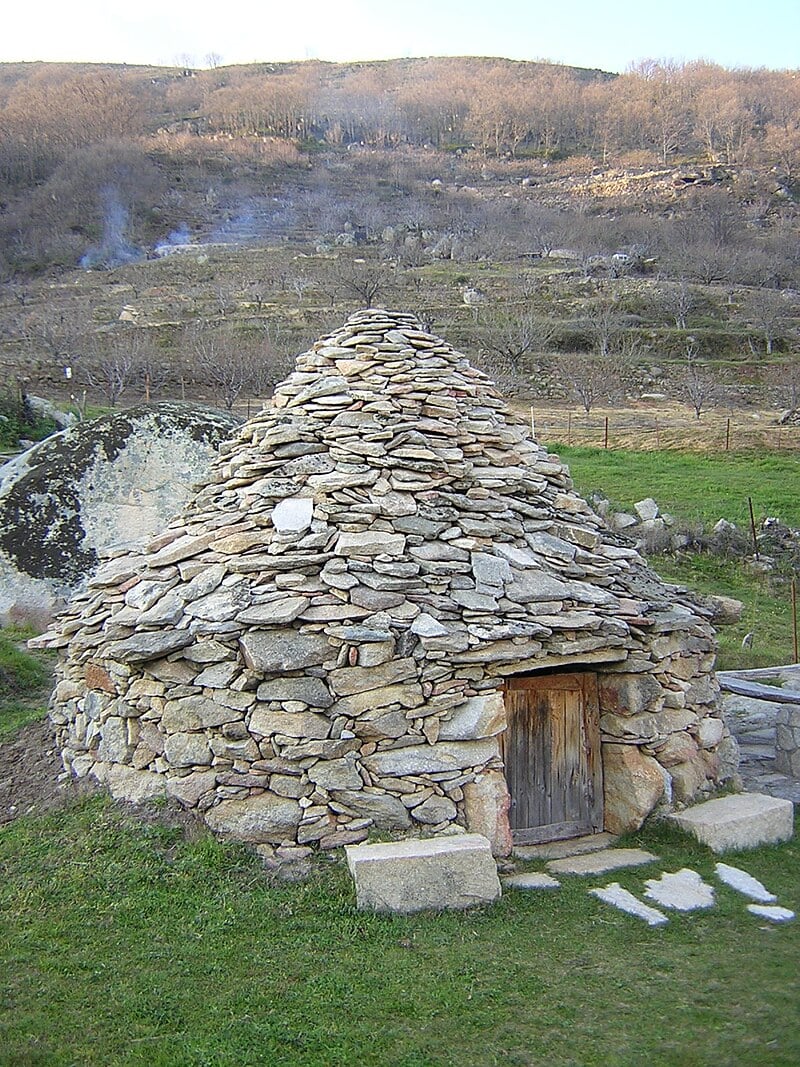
<point x="182" y="232"/>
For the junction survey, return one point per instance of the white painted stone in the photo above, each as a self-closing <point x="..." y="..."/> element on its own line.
<point x="620" y="898"/>
<point x="773" y="913"/>
<point x="293" y="515"/>
<point x="418" y="875"/>
<point x="533" y="880"/>
<point x="743" y="820"/>
<point x="744" y="883"/>
<point x="684" y="890"/>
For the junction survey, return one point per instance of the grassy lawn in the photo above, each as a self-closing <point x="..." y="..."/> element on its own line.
<point x="25" y="682"/>
<point x="693" y="488"/>
<point x="767" y="614"/>
<point x="701" y="489"/>
<point x="129" y="943"/>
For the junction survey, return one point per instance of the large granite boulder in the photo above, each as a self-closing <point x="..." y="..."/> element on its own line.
<point x="91" y="490"/>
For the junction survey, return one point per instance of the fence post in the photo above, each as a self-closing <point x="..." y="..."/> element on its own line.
<point x="753" y="527"/>
<point x="728" y="435"/>
<point x="569" y="428"/>
<point x="658" y="435"/>
<point x="794" y="621"/>
<point x="605" y="433"/>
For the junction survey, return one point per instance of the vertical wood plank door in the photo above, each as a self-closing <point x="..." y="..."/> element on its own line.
<point x="551" y="749"/>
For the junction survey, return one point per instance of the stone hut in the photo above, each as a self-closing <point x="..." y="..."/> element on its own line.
<point x="387" y="610"/>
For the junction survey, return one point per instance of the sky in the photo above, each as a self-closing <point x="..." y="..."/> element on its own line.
<point x="610" y="34"/>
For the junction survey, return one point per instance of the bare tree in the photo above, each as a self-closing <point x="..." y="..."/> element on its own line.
<point x="677" y="301"/>
<point x="590" y="378"/>
<point x="696" y="384"/>
<point x="222" y="361"/>
<point x="112" y="368"/>
<point x="513" y="336"/>
<point x="766" y="311"/>
<point x="360" y="279"/>
<point x="604" y="324"/>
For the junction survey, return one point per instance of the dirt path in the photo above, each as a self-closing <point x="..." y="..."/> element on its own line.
<point x="30" y="773"/>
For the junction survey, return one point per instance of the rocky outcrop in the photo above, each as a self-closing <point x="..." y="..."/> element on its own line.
<point x="316" y="645"/>
<point x="92" y="490"/>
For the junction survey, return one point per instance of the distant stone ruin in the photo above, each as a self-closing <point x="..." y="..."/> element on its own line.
<point x="388" y="610"/>
<point x="93" y="489"/>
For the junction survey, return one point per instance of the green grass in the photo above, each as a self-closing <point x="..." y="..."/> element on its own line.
<point x="126" y="943"/>
<point x="24" y="682"/>
<point x="695" y="488"/>
<point x="767" y="613"/>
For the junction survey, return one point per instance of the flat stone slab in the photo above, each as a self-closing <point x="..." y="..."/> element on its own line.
<point x="423" y="874"/>
<point x="612" y="859"/>
<point x="743" y="820"/>
<point x="556" y="850"/>
<point x="744" y="883"/>
<point x="533" y="880"/>
<point x="684" y="890"/>
<point x="774" y="913"/>
<point x="620" y="898"/>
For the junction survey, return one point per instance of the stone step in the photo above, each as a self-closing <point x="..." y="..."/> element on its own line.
<point x="743" y="820"/>
<point x="574" y="846"/>
<point x="612" y="859"/>
<point x="424" y="874"/>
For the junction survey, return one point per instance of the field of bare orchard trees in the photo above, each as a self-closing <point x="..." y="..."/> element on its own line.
<point x="594" y="240"/>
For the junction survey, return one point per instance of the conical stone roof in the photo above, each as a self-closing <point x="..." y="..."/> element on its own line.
<point x="315" y="646"/>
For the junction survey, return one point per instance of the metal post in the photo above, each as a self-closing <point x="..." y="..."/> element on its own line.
<point x="605" y="433"/>
<point x="728" y="435"/>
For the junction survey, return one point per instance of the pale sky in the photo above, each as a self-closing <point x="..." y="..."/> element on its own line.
<point x="588" y="33"/>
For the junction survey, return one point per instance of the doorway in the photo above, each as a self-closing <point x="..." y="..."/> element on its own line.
<point x="551" y="749"/>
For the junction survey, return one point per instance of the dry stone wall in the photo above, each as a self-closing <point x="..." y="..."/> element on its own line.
<point x="314" y="648"/>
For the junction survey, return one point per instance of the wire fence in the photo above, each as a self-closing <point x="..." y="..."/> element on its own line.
<point x="643" y="431"/>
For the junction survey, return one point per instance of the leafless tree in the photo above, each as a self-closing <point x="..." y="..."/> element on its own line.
<point x="604" y="324"/>
<point x="111" y="368"/>
<point x="360" y="279"/>
<point x="766" y="310"/>
<point x="696" y="384"/>
<point x="510" y="336"/>
<point x="221" y="361"/>
<point x="590" y="378"/>
<point x="677" y="301"/>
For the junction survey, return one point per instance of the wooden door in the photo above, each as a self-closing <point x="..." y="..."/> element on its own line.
<point x="552" y="756"/>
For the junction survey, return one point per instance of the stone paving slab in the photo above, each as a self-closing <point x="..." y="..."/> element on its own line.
<point x="620" y="898"/>
<point x="532" y="880"/>
<point x="774" y="913"/>
<point x="574" y="846"/>
<point x="612" y="859"/>
<point x="684" y="890"/>
<point x="744" y="883"/>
